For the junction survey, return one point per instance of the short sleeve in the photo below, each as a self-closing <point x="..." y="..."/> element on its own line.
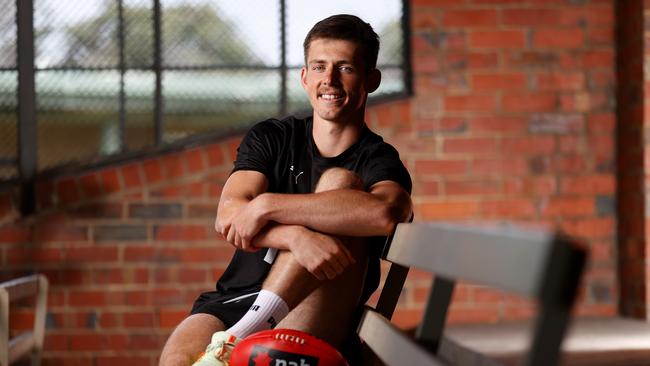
<point x="258" y="149"/>
<point x="384" y="163"/>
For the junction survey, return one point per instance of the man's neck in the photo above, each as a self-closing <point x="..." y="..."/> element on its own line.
<point x="333" y="138"/>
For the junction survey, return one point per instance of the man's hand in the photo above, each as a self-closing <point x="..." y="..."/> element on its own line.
<point x="324" y="256"/>
<point x="245" y="224"/>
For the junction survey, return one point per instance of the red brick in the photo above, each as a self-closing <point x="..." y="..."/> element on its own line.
<point x="531" y="186"/>
<point x="132" y="176"/>
<point x="110" y="180"/>
<point x="440" y="167"/>
<point x="139" y="253"/>
<point x="519" y="312"/>
<point x="511" y="208"/>
<point x="171" y="318"/>
<point x="448" y="210"/>
<point x="598" y="58"/>
<point x="600" y="36"/>
<point x="497" y="39"/>
<point x="470" y="103"/>
<point x="407" y="318"/>
<point x="90" y="185"/>
<point x="207" y="254"/>
<point x="138" y="320"/>
<point x="68" y="191"/>
<point x="569" y="207"/>
<point x="498" y="81"/>
<point x="497" y="125"/>
<point x="87" y="298"/>
<point x="426" y="64"/>
<point x="181" y="232"/>
<point x="426" y="188"/>
<point x="173" y="165"/>
<point x="15" y="234"/>
<point x="527" y="59"/>
<point x="472" y="60"/>
<point x="486" y="295"/>
<point x="528" y="145"/>
<point x="130" y="360"/>
<point x="467" y="314"/>
<point x="604" y="123"/>
<point x="152" y="170"/>
<point x="61" y="232"/>
<point x="435" y="3"/>
<point x="588" y="184"/>
<point x="472" y="188"/>
<point x="469" y="18"/>
<point x="532" y="17"/>
<point x="529" y="102"/>
<point x="499" y="167"/>
<point x="589" y="16"/>
<point x="194" y="160"/>
<point x="470" y="145"/>
<point x="214" y="155"/>
<point x="590" y="228"/>
<point x="561" y="81"/>
<point x="91" y="254"/>
<point x="602" y="79"/>
<point x="558" y="38"/>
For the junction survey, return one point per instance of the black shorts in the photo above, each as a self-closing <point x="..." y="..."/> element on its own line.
<point x="227" y="308"/>
<point x="232" y="307"/>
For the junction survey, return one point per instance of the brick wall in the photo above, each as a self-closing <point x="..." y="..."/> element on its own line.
<point x="513" y="119"/>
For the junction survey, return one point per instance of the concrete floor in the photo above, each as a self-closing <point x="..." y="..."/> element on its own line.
<point x="592" y="342"/>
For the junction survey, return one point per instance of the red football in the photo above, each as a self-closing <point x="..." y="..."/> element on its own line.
<point x="285" y="347"/>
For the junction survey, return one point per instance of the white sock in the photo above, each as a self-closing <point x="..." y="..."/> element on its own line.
<point x="267" y="311"/>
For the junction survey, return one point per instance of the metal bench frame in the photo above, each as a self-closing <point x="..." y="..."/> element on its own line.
<point x="30" y="342"/>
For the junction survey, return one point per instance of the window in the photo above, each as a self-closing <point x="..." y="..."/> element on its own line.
<point x="126" y="75"/>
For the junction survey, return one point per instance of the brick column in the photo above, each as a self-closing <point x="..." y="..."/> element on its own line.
<point x="633" y="153"/>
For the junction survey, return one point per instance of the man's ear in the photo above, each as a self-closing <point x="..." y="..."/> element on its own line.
<point x="303" y="77"/>
<point x="373" y="80"/>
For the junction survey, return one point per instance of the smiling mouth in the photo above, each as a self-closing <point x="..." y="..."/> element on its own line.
<point x="330" y="96"/>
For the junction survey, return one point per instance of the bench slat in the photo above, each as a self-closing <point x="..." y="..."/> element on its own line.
<point x="391" y="345"/>
<point x="487" y="256"/>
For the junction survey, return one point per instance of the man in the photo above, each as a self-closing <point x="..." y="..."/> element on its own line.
<point x="321" y="191"/>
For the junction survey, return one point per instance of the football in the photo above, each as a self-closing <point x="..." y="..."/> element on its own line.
<point x="285" y="347"/>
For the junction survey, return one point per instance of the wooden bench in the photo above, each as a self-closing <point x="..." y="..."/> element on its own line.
<point x="540" y="266"/>
<point x="27" y="343"/>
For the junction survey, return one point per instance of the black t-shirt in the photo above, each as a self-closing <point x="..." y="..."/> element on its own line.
<point x="285" y="152"/>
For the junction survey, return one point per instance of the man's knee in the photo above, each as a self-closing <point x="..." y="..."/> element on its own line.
<point x="339" y="178"/>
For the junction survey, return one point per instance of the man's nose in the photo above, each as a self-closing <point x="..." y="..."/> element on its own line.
<point x="331" y="76"/>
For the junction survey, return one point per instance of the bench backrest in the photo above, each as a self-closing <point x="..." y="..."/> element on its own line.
<point x="541" y="266"/>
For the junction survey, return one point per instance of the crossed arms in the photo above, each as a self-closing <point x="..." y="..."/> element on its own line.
<point x="249" y="218"/>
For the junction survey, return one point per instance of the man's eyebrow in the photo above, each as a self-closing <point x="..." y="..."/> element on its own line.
<point x="339" y="62"/>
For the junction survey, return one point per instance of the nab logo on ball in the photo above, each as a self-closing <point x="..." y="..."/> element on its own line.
<point x="262" y="356"/>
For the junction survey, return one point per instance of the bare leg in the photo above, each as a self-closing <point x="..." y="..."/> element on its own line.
<point x="189" y="339"/>
<point x="323" y="308"/>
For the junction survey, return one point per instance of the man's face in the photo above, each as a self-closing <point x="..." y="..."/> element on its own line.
<point x="335" y="80"/>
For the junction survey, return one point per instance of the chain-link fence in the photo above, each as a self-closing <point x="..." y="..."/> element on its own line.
<point x="123" y="75"/>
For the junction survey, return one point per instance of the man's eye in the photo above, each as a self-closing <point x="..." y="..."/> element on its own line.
<point x="318" y="68"/>
<point x="346" y="68"/>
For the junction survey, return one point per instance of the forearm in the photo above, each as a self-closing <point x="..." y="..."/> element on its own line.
<point x="278" y="236"/>
<point x="340" y="212"/>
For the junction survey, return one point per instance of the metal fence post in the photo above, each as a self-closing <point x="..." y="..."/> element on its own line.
<point x="27" y="137"/>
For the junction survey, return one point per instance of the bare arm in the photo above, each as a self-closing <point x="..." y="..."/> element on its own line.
<point x="322" y="255"/>
<point x="343" y="211"/>
<point x="339" y="212"/>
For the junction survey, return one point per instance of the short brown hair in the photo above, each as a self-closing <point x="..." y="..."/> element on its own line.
<point x="350" y="28"/>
